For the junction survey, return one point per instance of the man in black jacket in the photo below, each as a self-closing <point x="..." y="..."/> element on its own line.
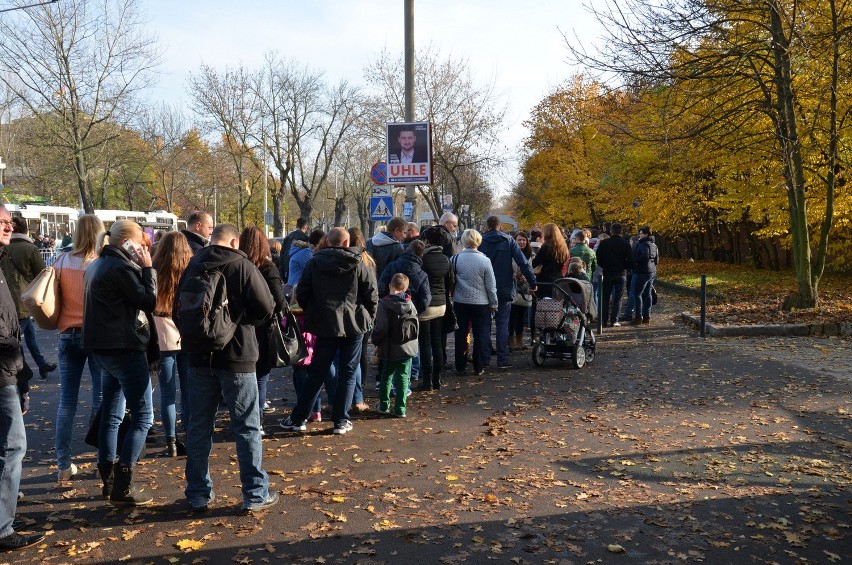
<point x="645" y="259"/>
<point x="338" y="294"/>
<point x="298" y="234"/>
<point x="615" y="258"/>
<point x="199" y="227"/>
<point x="228" y="373"/>
<point x="12" y="405"/>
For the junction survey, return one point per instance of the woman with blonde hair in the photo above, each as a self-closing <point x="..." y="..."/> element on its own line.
<point x="474" y="300"/>
<point x="70" y="269"/>
<point x="549" y="262"/>
<point x="120" y="293"/>
<point x="170" y="260"/>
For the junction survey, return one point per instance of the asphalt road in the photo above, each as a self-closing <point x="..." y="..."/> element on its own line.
<point x="666" y="449"/>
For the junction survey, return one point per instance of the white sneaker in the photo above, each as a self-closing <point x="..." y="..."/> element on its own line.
<point x="67" y="474"/>
<point x="616" y="324"/>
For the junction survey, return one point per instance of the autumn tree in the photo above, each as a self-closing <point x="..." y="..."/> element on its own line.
<point x="759" y="77"/>
<point x="75" y="65"/>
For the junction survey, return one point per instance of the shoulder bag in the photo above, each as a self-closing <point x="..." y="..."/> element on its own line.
<point x="41" y="298"/>
<point x="286" y="342"/>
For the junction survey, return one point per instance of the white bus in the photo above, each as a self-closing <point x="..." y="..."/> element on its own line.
<point x="56" y="221"/>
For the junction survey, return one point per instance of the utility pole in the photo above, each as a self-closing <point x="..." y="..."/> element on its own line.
<point x="410" y="191"/>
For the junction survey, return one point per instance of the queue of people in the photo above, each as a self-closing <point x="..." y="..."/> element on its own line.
<point x="197" y="313"/>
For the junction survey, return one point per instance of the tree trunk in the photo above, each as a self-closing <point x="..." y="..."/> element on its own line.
<point x="805" y="296"/>
<point x="83" y="183"/>
<point x="277" y="222"/>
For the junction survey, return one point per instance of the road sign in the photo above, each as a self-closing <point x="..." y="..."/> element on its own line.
<point x="379" y="173"/>
<point x="381" y="208"/>
<point x="407" y="210"/>
<point x="381" y="190"/>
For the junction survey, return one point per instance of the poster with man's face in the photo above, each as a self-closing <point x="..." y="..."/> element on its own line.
<point x="409" y="153"/>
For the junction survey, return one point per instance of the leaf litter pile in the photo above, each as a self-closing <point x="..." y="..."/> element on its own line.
<point x="739" y="294"/>
<point x="664" y="450"/>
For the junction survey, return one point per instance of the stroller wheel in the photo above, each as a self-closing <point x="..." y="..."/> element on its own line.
<point x="538" y="354"/>
<point x="578" y="357"/>
<point x="590" y="354"/>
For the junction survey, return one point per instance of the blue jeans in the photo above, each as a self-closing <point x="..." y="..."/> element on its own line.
<point x="172" y="364"/>
<point x="262" y="387"/>
<point x="501" y="323"/>
<point x="127" y="373"/>
<point x="612" y="290"/>
<point x="631" y="298"/>
<point x="72" y="360"/>
<point x="28" y="331"/>
<point x="348" y="350"/>
<point x="644" y="284"/>
<point x="13" y="446"/>
<point x="479" y="316"/>
<point x="240" y="393"/>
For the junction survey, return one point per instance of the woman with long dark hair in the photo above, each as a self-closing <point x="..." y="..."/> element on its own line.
<point x="441" y="282"/>
<point x="356" y="239"/>
<point x="170" y="260"/>
<point x="519" y="313"/>
<point x="256" y="247"/>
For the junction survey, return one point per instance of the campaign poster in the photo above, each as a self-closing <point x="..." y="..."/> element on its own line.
<point x="409" y="157"/>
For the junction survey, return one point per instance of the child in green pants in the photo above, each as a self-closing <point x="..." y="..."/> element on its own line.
<point x="395" y="336"/>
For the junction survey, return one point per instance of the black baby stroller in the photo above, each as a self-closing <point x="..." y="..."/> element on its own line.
<point x="564" y="324"/>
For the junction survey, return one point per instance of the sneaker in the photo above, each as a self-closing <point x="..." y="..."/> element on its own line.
<point x="204" y="507"/>
<point x="268" y="408"/>
<point x="48" y="368"/>
<point x="262" y="432"/>
<point x="67" y="474"/>
<point x="342" y="428"/>
<point x="271" y="500"/>
<point x="408" y="393"/>
<point x="382" y="411"/>
<point x="289" y="425"/>
<point x="504" y="366"/>
<point x="398" y="415"/>
<point x="479" y="372"/>
<point x="616" y="324"/>
<point x="15" y="541"/>
<point x="315" y="417"/>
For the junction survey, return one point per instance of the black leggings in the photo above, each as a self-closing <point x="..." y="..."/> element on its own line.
<point x="431" y="350"/>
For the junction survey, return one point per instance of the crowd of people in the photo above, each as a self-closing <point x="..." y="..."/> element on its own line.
<point x="193" y="312"/>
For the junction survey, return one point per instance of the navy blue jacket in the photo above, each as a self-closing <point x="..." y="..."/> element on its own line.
<point x="502" y="250"/>
<point x="411" y="266"/>
<point x="645" y="256"/>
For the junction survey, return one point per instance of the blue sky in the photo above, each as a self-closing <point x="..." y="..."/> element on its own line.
<point x="516" y="44"/>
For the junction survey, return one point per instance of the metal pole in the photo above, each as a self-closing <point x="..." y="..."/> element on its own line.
<point x="703" y="303"/>
<point x="265" y="186"/>
<point x="410" y="193"/>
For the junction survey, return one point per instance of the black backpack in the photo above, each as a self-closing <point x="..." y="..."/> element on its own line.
<point x="201" y="311"/>
<point x="403" y="327"/>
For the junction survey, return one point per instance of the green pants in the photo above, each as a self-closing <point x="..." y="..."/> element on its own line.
<point x="395" y="374"/>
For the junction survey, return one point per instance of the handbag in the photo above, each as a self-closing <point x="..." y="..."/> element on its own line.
<point x="41" y="298"/>
<point x="449" y="323"/>
<point x="286" y="342"/>
<point x="168" y="335"/>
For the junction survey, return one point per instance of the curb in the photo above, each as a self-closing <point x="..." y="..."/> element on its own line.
<point x="796" y="330"/>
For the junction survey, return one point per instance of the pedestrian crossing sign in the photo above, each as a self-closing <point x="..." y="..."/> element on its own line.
<point x="381" y="208"/>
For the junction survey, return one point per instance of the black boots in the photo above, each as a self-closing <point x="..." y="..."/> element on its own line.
<point x="124" y="492"/>
<point x="436" y="376"/>
<point x="105" y="470"/>
<point x="174" y="448"/>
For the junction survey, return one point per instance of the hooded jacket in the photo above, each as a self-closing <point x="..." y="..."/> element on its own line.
<point x="383" y="248"/>
<point x="300" y="252"/>
<point x="645" y="255"/>
<point x="21" y="264"/>
<point x="584" y="252"/>
<point x="118" y="295"/>
<point x="411" y="266"/>
<point x="284" y="258"/>
<point x="386" y="349"/>
<point x="249" y="302"/>
<point x="337" y="292"/>
<point x="502" y="250"/>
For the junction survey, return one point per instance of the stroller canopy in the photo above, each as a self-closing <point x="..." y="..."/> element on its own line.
<point x="582" y="293"/>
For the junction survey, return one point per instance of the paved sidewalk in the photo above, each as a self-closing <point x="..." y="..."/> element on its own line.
<point x="667" y="448"/>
